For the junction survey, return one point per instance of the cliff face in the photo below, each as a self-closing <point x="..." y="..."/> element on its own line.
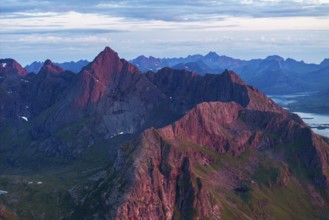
<point x="117" y="92"/>
<point x="151" y="179"/>
<point x="216" y="155"/>
<point x="164" y="184"/>
<point x="105" y="71"/>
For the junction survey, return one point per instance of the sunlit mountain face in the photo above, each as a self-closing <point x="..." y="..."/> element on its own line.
<point x="166" y="129"/>
<point x="113" y="142"/>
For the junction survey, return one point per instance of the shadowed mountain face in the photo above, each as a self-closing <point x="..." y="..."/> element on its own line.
<point x="114" y="143"/>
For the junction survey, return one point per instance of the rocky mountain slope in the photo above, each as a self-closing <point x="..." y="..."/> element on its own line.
<point x="114" y="143"/>
<point x="219" y="161"/>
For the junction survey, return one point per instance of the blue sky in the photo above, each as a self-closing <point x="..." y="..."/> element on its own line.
<point x="72" y="30"/>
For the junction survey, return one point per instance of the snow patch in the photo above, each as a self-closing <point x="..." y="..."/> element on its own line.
<point x="39" y="183"/>
<point x="3" y="64"/>
<point x="120" y="133"/>
<point x="9" y="92"/>
<point x="3" y="192"/>
<point x="24" y="118"/>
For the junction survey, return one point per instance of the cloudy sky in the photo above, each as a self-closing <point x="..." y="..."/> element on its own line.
<point x="64" y="30"/>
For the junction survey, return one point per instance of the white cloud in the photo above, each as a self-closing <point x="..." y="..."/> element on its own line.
<point x="111" y="5"/>
<point x="53" y="21"/>
<point x="36" y="39"/>
<point x="33" y="22"/>
<point x="163" y="27"/>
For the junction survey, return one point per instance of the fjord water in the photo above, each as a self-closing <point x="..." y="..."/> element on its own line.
<point x="318" y="122"/>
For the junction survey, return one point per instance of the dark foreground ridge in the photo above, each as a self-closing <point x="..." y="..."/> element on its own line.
<point x="114" y="143"/>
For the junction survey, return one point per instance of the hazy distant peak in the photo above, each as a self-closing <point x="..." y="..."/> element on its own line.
<point x="142" y="57"/>
<point x="290" y="60"/>
<point x="325" y="62"/>
<point x="48" y="62"/>
<point x="70" y="65"/>
<point x="212" y="55"/>
<point x="275" y="58"/>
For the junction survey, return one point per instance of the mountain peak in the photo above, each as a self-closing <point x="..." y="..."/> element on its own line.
<point x="212" y="55"/>
<point x="108" y="58"/>
<point x="233" y="76"/>
<point x="50" y="68"/>
<point x="325" y="62"/>
<point x="204" y="115"/>
<point x="108" y="51"/>
<point x="107" y="69"/>
<point x="48" y="62"/>
<point x="290" y="60"/>
<point x="274" y="58"/>
<point x="12" y="67"/>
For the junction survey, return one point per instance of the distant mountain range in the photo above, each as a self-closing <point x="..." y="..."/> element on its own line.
<point x="71" y="66"/>
<point x="113" y="143"/>
<point x="272" y="75"/>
